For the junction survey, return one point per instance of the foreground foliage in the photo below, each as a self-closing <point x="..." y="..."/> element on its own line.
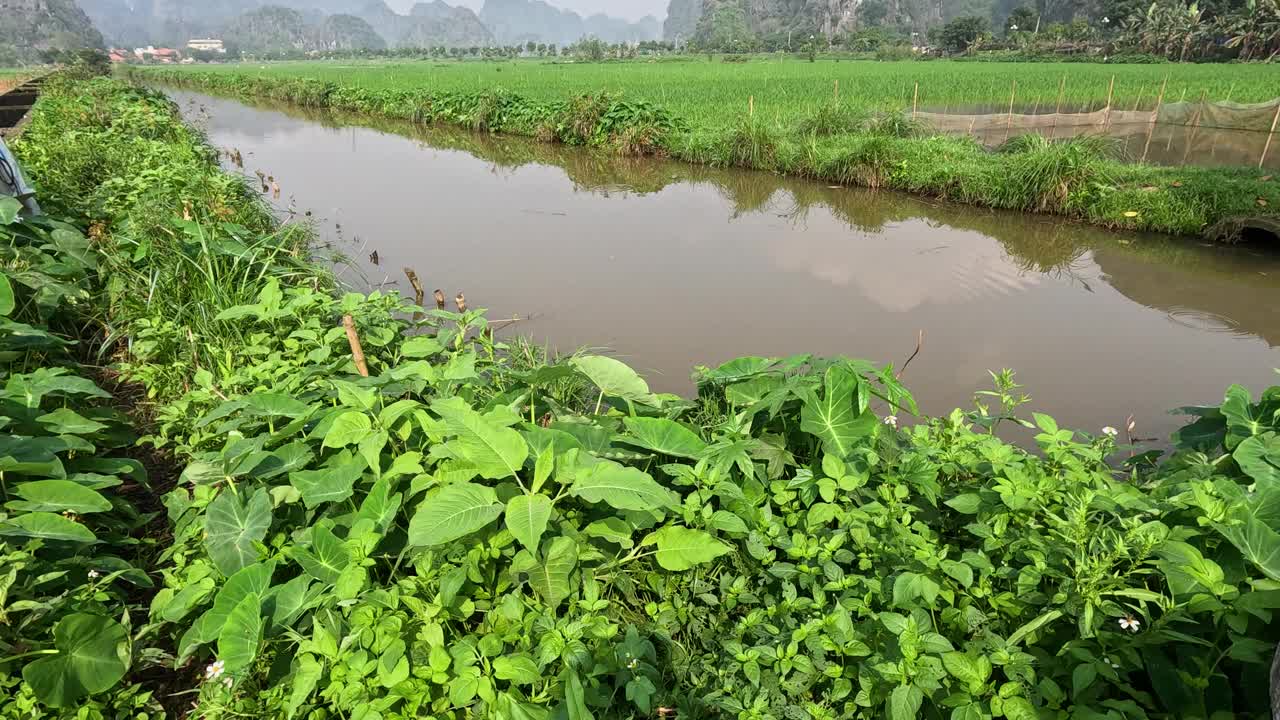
<point x="477" y="531"/>
<point x="833" y="142"/>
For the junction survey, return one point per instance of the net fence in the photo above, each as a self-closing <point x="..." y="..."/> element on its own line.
<point x="1178" y="133"/>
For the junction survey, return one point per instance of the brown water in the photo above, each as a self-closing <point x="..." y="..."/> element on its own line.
<point x="671" y="266"/>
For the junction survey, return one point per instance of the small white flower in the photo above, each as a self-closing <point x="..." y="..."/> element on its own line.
<point x="1129" y="623"/>
<point x="93" y="574"/>
<point x="228" y="683"/>
<point x="632" y="665"/>
<point x="891" y="421"/>
<point x="214" y="671"/>
<point x="1110" y="431"/>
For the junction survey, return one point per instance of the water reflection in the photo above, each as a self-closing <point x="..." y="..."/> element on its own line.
<point x="673" y="265"/>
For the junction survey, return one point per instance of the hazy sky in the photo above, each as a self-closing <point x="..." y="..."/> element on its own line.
<point x="628" y="9"/>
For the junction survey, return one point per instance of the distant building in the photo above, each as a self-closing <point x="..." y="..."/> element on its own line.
<point x="206" y="45"/>
<point x="120" y="56"/>
<point x="162" y="55"/>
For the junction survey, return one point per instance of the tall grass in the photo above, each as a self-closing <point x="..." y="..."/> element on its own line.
<point x="186" y="239"/>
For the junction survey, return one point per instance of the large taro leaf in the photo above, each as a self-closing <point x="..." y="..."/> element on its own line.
<point x="622" y="487"/>
<point x="496" y="451"/>
<point x="527" y="517"/>
<point x="59" y="496"/>
<point x="326" y="558"/>
<point x="252" y="580"/>
<point x="6" y="296"/>
<point x="1253" y="522"/>
<point x="680" y="548"/>
<point x="1259" y="457"/>
<point x="663" y="436"/>
<point x="92" y="657"/>
<point x="834" y="419"/>
<point x="452" y="512"/>
<point x="1242" y="420"/>
<point x="240" y="636"/>
<point x="614" y="378"/>
<point x="330" y="484"/>
<point x="46" y="526"/>
<point x="232" y="527"/>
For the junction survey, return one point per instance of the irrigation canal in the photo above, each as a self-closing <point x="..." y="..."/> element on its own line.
<point x="671" y="266"/>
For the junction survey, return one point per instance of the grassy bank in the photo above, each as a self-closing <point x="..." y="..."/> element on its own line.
<point x="436" y="523"/>
<point x="835" y="143"/>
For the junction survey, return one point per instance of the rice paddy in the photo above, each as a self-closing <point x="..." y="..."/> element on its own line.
<point x="715" y="94"/>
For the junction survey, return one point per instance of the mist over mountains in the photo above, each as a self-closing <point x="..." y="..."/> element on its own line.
<point x="305" y="25"/>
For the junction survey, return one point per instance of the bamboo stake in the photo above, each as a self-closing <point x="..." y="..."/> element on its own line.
<point x="1155" y="117"/>
<point x="419" y="293"/>
<point x="915" y="99"/>
<point x="1274" y="119"/>
<point x="357" y="353"/>
<point x="1195" y="127"/>
<point x="837" y="90"/>
<point x="1141" y="91"/>
<point x="439" y="296"/>
<point x="1106" y="118"/>
<point x="751" y="106"/>
<point x="1008" y="123"/>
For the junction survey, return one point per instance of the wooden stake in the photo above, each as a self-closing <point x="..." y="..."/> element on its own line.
<point x="1008" y="123"/>
<point x="439" y="299"/>
<point x="1106" y="118"/>
<point x="915" y="99"/>
<point x="1142" y="89"/>
<point x="1062" y="85"/>
<point x="751" y="106"/>
<point x="419" y="293"/>
<point x="1155" y="117"/>
<point x="1274" y="119"/>
<point x="837" y="90"/>
<point x="357" y="353"/>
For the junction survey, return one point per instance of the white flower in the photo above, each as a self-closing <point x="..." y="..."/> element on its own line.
<point x="227" y="682"/>
<point x="891" y="421"/>
<point x="1129" y="623"/>
<point x="1110" y="431"/>
<point x="632" y="665"/>
<point x="93" y="574"/>
<point x="214" y="671"/>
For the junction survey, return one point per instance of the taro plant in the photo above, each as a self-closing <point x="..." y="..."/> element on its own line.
<point x="64" y="586"/>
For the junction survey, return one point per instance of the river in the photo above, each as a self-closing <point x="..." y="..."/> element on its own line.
<point x="669" y="266"/>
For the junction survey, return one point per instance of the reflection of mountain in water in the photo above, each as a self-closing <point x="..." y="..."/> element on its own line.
<point x="1207" y="287"/>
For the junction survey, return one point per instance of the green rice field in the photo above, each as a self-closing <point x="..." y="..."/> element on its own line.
<point x="714" y="92"/>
